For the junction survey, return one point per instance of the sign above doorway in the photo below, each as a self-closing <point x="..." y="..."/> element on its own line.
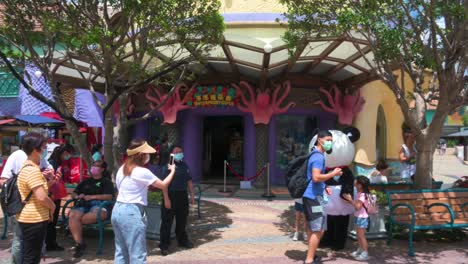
<point x="213" y="96"/>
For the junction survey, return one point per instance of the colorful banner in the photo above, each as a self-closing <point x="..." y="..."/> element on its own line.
<point x="213" y="96"/>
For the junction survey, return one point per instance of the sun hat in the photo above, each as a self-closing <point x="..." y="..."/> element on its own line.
<point x="145" y="148"/>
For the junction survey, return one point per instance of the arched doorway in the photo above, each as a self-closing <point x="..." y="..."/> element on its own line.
<point x="381" y="135"/>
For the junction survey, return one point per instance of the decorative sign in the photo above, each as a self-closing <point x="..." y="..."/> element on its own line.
<point x="212" y="96"/>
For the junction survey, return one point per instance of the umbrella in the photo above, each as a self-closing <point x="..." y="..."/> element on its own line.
<point x="442" y="141"/>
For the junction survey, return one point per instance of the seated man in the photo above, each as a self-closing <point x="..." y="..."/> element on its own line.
<point x="90" y="194"/>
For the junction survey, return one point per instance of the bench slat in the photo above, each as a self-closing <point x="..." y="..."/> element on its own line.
<point x="435" y="217"/>
<point x="440" y="222"/>
<point x="423" y="209"/>
<point x="428" y="195"/>
<point x="422" y="202"/>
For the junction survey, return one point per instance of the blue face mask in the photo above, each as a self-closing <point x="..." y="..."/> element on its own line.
<point x="44" y="154"/>
<point x="337" y="178"/>
<point x="178" y="156"/>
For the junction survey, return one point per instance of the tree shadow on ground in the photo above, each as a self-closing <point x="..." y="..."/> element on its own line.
<point x="201" y="231"/>
<point x="214" y="219"/>
<point x="287" y="221"/>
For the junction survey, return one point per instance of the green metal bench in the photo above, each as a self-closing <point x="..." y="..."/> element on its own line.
<point x="427" y="209"/>
<point x="100" y="225"/>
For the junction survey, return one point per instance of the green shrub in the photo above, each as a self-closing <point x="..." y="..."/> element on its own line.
<point x="451" y="143"/>
<point x="155" y="198"/>
<point x="382" y="198"/>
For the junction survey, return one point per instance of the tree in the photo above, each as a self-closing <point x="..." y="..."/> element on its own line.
<point x="409" y="39"/>
<point x="113" y="46"/>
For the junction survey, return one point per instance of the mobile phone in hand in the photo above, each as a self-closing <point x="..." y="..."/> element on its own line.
<point x="171" y="159"/>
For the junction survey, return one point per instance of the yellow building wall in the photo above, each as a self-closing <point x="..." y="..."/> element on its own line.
<point x="377" y="93"/>
<point x="251" y="6"/>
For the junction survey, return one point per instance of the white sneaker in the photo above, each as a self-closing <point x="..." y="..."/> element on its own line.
<point x="296" y="236"/>
<point x="304" y="235"/>
<point x="363" y="256"/>
<point x="356" y="253"/>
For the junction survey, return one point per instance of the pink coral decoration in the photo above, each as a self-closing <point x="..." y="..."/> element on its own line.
<point x="173" y="105"/>
<point x="260" y="105"/>
<point x="345" y="106"/>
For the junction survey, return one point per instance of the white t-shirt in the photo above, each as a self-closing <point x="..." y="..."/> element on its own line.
<point x="16" y="160"/>
<point x="134" y="188"/>
<point x="336" y="205"/>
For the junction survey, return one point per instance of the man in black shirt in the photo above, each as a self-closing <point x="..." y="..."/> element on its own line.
<point x="90" y="194"/>
<point x="181" y="183"/>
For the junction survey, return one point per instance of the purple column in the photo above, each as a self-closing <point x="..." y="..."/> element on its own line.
<point x="272" y="152"/>
<point x="192" y="142"/>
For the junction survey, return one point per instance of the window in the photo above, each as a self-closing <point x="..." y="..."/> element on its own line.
<point x="293" y="137"/>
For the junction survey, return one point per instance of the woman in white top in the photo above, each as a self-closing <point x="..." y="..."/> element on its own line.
<point x="128" y="215"/>
<point x="407" y="157"/>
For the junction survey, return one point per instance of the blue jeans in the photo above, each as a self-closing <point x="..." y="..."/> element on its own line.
<point x="129" y="224"/>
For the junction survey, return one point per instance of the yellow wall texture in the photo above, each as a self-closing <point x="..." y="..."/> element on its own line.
<point x="251" y="6"/>
<point x="377" y="93"/>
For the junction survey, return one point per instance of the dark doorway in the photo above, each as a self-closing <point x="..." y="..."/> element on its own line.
<point x="223" y="139"/>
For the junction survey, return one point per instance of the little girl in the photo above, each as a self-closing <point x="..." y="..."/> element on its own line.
<point x="361" y="217"/>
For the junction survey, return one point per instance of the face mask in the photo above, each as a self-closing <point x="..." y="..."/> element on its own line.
<point x="67" y="157"/>
<point x="44" y="154"/>
<point x="336" y="178"/>
<point x="327" y="145"/>
<point x="178" y="156"/>
<point x="95" y="170"/>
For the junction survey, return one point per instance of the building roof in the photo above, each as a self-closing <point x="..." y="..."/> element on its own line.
<point x="39" y="120"/>
<point x="463" y="133"/>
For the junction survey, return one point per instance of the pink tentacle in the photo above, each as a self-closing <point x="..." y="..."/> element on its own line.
<point x="153" y="100"/>
<point x="287" y="85"/>
<point x="285" y="109"/>
<point x="177" y="92"/>
<point x="337" y="95"/>
<point x="243" y="99"/>
<point x="329" y="97"/>
<point x="325" y="107"/>
<point x="189" y="93"/>
<point x="275" y="93"/>
<point x="250" y="89"/>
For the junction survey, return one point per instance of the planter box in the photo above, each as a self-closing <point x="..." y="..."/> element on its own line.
<point x="377" y="228"/>
<point x="153" y="215"/>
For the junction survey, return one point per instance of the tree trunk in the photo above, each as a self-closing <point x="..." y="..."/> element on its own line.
<point x="80" y="142"/>
<point x="424" y="161"/>
<point x="108" y="140"/>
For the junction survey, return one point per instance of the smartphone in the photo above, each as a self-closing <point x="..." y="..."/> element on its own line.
<point x="171" y="159"/>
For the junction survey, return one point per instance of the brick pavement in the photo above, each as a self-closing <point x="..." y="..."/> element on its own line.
<point x="234" y="230"/>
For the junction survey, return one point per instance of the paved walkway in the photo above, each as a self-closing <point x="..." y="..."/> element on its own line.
<point x="234" y="230"/>
<point x="448" y="168"/>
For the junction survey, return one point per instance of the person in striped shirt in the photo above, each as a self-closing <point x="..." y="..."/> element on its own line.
<point x="38" y="210"/>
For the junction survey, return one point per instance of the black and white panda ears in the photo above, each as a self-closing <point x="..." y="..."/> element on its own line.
<point x="352" y="133"/>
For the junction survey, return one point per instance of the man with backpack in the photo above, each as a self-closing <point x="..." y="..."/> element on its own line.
<point x="313" y="198"/>
<point x="11" y="169"/>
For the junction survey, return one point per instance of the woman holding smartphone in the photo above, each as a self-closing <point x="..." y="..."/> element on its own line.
<point x="128" y="216"/>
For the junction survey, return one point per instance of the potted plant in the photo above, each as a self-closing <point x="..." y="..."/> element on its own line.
<point x="377" y="221"/>
<point x="153" y="214"/>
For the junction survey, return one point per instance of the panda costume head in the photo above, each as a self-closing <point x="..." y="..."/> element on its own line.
<point x="340" y="156"/>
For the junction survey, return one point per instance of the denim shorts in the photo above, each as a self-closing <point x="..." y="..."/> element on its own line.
<point x="89" y="206"/>
<point x="314" y="211"/>
<point x="361" y="222"/>
<point x="299" y="207"/>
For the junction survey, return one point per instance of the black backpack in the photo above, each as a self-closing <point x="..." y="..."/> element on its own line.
<point x="296" y="176"/>
<point x="11" y="197"/>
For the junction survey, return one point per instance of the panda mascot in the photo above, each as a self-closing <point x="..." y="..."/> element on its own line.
<point x="337" y="209"/>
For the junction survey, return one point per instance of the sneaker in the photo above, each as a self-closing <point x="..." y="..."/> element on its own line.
<point x="304" y="235"/>
<point x="79" y="250"/>
<point x="363" y="256"/>
<point x="296" y="236"/>
<point x="164" y="252"/>
<point x="356" y="253"/>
